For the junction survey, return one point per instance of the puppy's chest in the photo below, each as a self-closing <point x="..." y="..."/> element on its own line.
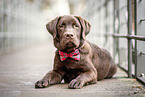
<point x="72" y="65"/>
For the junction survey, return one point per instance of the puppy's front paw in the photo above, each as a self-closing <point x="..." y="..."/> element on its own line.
<point x="41" y="84"/>
<point x="76" y="84"/>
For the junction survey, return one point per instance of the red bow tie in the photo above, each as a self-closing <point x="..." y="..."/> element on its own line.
<point x="74" y="55"/>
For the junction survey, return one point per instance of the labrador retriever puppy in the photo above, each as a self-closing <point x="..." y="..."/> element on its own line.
<point x="77" y="61"/>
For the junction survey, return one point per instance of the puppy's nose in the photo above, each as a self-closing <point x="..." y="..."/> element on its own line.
<point x="69" y="35"/>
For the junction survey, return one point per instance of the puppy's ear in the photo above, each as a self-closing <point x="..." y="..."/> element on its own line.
<point x="85" y="26"/>
<point x="52" y="27"/>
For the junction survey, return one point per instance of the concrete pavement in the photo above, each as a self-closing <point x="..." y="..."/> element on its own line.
<point x="20" y="70"/>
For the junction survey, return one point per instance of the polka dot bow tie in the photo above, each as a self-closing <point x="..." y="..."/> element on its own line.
<point x="74" y="55"/>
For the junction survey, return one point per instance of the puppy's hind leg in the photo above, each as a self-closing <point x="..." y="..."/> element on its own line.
<point x="112" y="70"/>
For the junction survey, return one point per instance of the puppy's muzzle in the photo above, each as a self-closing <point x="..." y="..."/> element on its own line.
<point x="69" y="35"/>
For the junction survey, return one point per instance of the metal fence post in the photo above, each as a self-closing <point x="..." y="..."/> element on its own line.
<point x="129" y="7"/>
<point x="114" y="45"/>
<point x="135" y="29"/>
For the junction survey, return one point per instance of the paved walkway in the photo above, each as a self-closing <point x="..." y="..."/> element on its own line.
<point x="21" y="69"/>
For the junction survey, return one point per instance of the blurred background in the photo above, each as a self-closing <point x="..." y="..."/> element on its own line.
<point x="22" y="23"/>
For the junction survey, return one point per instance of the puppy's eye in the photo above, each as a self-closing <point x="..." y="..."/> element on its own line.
<point x="75" y="26"/>
<point x="62" y="26"/>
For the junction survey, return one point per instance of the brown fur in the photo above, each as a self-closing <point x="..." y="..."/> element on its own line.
<point x="95" y="63"/>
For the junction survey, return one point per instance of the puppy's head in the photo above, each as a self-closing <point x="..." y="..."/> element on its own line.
<point x="68" y="31"/>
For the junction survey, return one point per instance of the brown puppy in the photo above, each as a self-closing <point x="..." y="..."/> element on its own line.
<point x="77" y="61"/>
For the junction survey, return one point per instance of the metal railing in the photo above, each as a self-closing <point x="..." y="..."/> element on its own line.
<point x="120" y="27"/>
<point x="133" y="55"/>
<point x="20" y="23"/>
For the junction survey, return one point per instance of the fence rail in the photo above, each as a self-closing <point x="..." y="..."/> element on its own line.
<point x="141" y="38"/>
